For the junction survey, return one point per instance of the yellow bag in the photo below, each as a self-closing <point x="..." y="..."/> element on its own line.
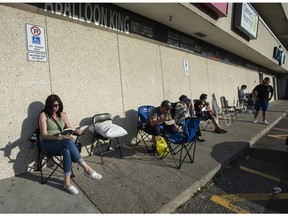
<point x="161" y="147"/>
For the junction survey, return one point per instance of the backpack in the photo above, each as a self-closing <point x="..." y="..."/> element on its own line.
<point x="173" y="110"/>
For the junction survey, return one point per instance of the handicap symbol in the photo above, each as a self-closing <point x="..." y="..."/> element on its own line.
<point x="36" y="40"/>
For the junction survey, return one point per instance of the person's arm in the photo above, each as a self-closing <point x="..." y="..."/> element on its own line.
<point x="271" y="93"/>
<point x="154" y="122"/>
<point x="254" y="94"/>
<point x="44" y="132"/>
<point x="68" y="125"/>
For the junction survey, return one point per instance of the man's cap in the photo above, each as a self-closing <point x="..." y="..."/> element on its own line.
<point x="182" y="97"/>
<point x="186" y="100"/>
<point x="166" y="104"/>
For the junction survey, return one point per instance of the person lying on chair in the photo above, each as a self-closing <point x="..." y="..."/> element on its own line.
<point x="157" y="118"/>
<point x="203" y="107"/>
<point x="182" y="111"/>
<point x="52" y="120"/>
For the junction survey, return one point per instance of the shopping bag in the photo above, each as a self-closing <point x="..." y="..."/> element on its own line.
<point x="162" y="147"/>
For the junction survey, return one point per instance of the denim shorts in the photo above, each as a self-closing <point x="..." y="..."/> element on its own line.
<point x="261" y="105"/>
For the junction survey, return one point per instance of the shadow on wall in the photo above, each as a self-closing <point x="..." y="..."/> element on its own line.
<point x="27" y="154"/>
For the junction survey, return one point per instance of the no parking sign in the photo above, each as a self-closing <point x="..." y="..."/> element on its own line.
<point x="36" y="40"/>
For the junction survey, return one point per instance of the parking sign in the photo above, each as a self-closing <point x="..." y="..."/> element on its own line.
<point x="36" y="40"/>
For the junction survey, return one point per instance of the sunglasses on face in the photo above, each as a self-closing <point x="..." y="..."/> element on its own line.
<point x="55" y="105"/>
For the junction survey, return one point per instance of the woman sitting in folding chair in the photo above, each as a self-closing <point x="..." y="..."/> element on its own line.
<point x="182" y="111"/>
<point x="202" y="106"/>
<point x="52" y="121"/>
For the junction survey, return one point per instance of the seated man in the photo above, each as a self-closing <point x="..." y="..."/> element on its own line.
<point x="182" y="111"/>
<point x="160" y="116"/>
<point x="242" y="95"/>
<point x="202" y="109"/>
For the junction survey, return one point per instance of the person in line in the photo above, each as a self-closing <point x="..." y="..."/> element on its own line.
<point x="262" y="94"/>
<point x="182" y="111"/>
<point x="202" y="109"/>
<point x="51" y="120"/>
<point x="160" y="117"/>
<point x="242" y="94"/>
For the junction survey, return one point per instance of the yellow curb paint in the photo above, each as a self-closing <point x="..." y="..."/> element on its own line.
<point x="263" y="175"/>
<point x="225" y="203"/>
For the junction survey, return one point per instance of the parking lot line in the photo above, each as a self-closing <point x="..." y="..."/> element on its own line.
<point x="263" y="175"/>
<point x="226" y="203"/>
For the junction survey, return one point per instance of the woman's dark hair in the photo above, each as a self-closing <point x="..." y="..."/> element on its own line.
<point x="203" y="96"/>
<point x="49" y="105"/>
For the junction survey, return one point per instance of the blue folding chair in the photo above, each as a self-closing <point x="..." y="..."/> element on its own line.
<point x="182" y="142"/>
<point x="142" y="135"/>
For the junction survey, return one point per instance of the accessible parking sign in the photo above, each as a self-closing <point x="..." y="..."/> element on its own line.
<point x="36" y="40"/>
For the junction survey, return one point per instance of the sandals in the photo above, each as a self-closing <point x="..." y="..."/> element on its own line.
<point x="201" y="139"/>
<point x="220" y="131"/>
<point x="217" y="131"/>
<point x="73" y="190"/>
<point x="94" y="175"/>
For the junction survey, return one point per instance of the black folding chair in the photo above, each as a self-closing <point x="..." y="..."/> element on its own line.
<point x="44" y="157"/>
<point x="100" y="140"/>
<point x="181" y="143"/>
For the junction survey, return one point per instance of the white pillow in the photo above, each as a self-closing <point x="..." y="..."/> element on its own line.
<point x="108" y="130"/>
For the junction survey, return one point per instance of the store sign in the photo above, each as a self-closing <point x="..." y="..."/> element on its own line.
<point x="246" y="20"/>
<point x="110" y="16"/>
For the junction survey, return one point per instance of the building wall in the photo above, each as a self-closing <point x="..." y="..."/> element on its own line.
<point x="93" y="71"/>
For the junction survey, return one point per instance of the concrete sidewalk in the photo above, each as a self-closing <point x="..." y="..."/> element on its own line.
<point x="139" y="182"/>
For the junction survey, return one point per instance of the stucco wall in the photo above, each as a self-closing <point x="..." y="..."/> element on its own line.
<point x="93" y="71"/>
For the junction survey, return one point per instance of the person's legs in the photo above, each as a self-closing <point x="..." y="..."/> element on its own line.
<point x="256" y="110"/>
<point x="218" y="128"/>
<point x="154" y="131"/>
<point x="264" y="111"/>
<point x="67" y="148"/>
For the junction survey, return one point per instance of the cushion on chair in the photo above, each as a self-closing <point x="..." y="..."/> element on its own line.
<point x="107" y="129"/>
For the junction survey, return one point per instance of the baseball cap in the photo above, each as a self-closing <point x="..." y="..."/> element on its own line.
<point x="187" y="100"/>
<point x="166" y="104"/>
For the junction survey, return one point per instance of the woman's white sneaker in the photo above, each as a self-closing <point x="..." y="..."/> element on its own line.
<point x="265" y="122"/>
<point x="73" y="190"/>
<point x="94" y="175"/>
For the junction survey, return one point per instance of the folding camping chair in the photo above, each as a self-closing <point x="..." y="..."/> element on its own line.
<point x="182" y="142"/>
<point x="222" y="113"/>
<point x="203" y="117"/>
<point x="142" y="135"/>
<point x="44" y="157"/>
<point x="101" y="140"/>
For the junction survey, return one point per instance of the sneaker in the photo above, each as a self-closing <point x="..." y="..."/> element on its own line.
<point x="255" y="121"/>
<point x="73" y="190"/>
<point x="265" y="122"/>
<point x="223" y="131"/>
<point x="94" y="175"/>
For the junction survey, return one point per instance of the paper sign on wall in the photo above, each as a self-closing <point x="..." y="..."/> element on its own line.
<point x="186" y="66"/>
